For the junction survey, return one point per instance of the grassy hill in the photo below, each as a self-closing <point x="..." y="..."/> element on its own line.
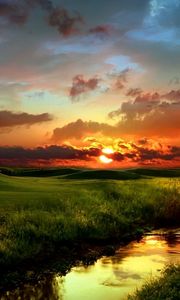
<point x="103" y="174"/>
<point x="157" y="172"/>
<point x="77" y="173"/>
<point x="37" y="172"/>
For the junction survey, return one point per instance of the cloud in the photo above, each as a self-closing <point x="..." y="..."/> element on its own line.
<point x="148" y="118"/>
<point x="80" y="129"/>
<point x="173" y="95"/>
<point x="119" y="78"/>
<point x="51" y="155"/>
<point x="13" y="11"/>
<point x="145" y="103"/>
<point x="148" y="154"/>
<point x="165" y="13"/>
<point x="142" y="105"/>
<point x="10" y="119"/>
<point x="133" y="92"/>
<point x="114" y="80"/>
<point x="101" y="30"/>
<point x="146" y="151"/>
<point x="150" y="113"/>
<point x="143" y="141"/>
<point x="81" y="85"/>
<point x="140" y="96"/>
<point x="148" y="97"/>
<point x="162" y="120"/>
<point x="63" y="21"/>
<point x="18" y="12"/>
<point x="45" y="155"/>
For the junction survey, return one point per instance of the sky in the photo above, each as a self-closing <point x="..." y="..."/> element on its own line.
<point x="90" y="83"/>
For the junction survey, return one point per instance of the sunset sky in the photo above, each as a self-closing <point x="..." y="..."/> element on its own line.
<point x="84" y="79"/>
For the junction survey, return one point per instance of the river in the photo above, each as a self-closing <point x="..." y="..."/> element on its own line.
<point x="110" y="278"/>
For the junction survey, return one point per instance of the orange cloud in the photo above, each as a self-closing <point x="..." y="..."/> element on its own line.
<point x="136" y="153"/>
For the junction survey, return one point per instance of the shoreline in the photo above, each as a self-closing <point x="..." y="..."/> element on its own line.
<point x="64" y="257"/>
<point x="61" y="260"/>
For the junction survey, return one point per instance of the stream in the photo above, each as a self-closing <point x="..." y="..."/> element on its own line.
<point x="110" y="278"/>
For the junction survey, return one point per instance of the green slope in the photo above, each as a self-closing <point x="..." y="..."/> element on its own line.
<point x="37" y="172"/>
<point x="103" y="174"/>
<point x="157" y="172"/>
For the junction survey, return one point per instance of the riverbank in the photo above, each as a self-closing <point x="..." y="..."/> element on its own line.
<point x="165" y="287"/>
<point x="109" y="277"/>
<point x="44" y="217"/>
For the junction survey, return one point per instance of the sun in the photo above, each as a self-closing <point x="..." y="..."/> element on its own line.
<point x="107" y="151"/>
<point x="103" y="158"/>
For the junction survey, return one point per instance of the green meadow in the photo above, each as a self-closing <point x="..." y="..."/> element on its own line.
<point x="41" y="210"/>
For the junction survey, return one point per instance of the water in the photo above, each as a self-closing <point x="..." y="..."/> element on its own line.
<point x="110" y="278"/>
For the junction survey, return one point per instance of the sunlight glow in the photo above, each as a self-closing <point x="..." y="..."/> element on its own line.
<point x="107" y="151"/>
<point x="105" y="159"/>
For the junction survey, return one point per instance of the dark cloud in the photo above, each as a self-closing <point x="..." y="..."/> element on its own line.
<point x="115" y="113"/>
<point x="81" y="85"/>
<point x="63" y="21"/>
<point x="134" y="92"/>
<point x="119" y="78"/>
<point x="10" y="119"/>
<point x="173" y="95"/>
<point x="119" y="84"/>
<point x="147" y="98"/>
<point x="53" y="153"/>
<point x="45" y="155"/>
<point x="102" y="30"/>
<point x="146" y="154"/>
<point x="143" y="141"/>
<point x="140" y="96"/>
<point x="117" y="156"/>
<point x="15" y="12"/>
<point x="18" y="12"/>
<point x="80" y="129"/>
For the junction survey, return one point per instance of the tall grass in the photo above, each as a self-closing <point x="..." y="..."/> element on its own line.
<point x="39" y="214"/>
<point x="166" y="287"/>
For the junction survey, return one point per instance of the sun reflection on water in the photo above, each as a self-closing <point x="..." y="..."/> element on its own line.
<point x="110" y="278"/>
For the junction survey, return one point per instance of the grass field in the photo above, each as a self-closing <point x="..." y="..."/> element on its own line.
<point x="39" y="213"/>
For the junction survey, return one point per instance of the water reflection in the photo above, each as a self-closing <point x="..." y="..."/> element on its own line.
<point x="171" y="239"/>
<point x="110" y="278"/>
<point x="50" y="288"/>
